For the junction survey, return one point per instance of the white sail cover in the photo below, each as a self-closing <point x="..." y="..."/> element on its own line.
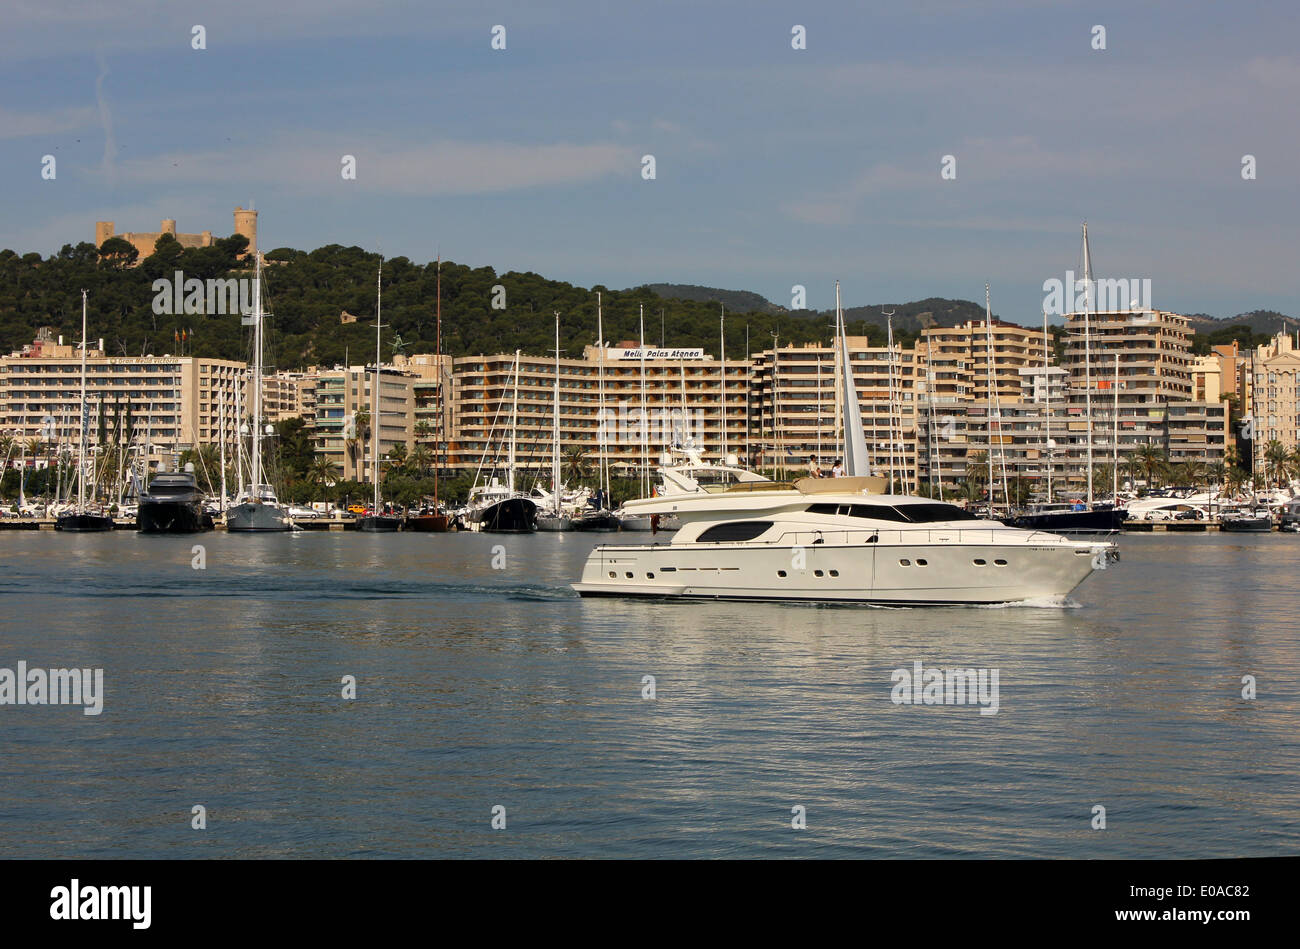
<point x="856" y="462"/>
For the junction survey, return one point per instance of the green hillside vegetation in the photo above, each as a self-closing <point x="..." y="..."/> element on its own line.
<point x="308" y="291"/>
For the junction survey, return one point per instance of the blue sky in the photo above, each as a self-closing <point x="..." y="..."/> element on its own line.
<point x="774" y="166"/>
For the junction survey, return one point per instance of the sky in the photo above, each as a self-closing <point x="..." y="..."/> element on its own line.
<point x="774" y="167"/>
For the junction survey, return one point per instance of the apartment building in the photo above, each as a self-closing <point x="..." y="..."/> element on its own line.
<point x="175" y="402"/>
<point x="343" y="429"/>
<point x="795" y="411"/>
<point x="965" y="360"/>
<point x="1275" y="391"/>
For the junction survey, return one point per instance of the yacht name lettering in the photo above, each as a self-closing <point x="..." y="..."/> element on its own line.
<point x="24" y="686"/>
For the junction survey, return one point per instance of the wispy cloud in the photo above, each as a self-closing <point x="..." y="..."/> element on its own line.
<point x="434" y="168"/>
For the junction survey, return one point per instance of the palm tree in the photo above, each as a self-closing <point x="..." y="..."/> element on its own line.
<point x="1216" y="472"/>
<point x="323" y="471"/>
<point x="207" y="465"/>
<point x="575" y="466"/>
<point x="1235" y="478"/>
<point x="1278" y="458"/>
<point x="360" y="433"/>
<point x="1151" y="459"/>
<point x="418" y="460"/>
<point x="976" y="474"/>
<point x="422" y="430"/>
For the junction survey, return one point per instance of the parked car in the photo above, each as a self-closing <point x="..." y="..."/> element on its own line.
<point x="358" y="509"/>
<point x="297" y="511"/>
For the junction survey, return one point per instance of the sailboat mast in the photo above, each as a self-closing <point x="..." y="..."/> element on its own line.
<point x="221" y="430"/>
<point x="1047" y="439"/>
<point x="374" y="386"/>
<point x="601" y="430"/>
<point x="514" y="421"/>
<point x="1114" y="440"/>
<point x="257" y="378"/>
<point x="81" y="442"/>
<point x="645" y="472"/>
<point x="239" y="435"/>
<point x="838" y="354"/>
<point x="722" y="352"/>
<point x="555" y="453"/>
<point x="442" y="391"/>
<point x="988" y="376"/>
<point x="1087" y="352"/>
<point x="889" y="375"/>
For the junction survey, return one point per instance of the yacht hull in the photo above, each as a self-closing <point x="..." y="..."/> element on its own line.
<point x="596" y="521"/>
<point x="379" y="524"/>
<point x="1073" y="522"/>
<point x="511" y="516"/>
<point x="83" y="523"/>
<point x="258" y="518"/>
<point x="554" y="523"/>
<point x="172" y="517"/>
<point x="955" y="574"/>
<point x="428" y="523"/>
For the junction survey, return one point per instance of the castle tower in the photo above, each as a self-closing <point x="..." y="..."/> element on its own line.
<point x="168" y="226"/>
<point x="246" y="224"/>
<point x="103" y="231"/>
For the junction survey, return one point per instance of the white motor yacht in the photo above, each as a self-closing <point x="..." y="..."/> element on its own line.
<point x="835" y="540"/>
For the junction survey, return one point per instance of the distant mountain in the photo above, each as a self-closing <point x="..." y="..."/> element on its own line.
<point x="736" y="301"/>
<point x="1260" y="321"/>
<point x="916" y="316"/>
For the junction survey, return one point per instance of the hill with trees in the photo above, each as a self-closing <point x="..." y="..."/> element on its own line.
<point x="308" y="293"/>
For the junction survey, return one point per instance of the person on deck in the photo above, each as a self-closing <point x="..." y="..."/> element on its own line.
<point x="814" y="469"/>
<point x="837" y="470"/>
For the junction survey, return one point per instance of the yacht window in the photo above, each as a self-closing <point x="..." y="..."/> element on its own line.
<point x="979" y="563"/>
<point x="880" y="512"/>
<point x="822" y="509"/>
<point x="931" y="512"/>
<point x="835" y="573"/>
<point x="734" y="532"/>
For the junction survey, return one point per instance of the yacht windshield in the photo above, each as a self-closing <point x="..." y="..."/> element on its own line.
<point x="927" y="513"/>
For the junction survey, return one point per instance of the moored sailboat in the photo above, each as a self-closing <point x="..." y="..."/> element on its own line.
<point x="376" y="522"/>
<point x="257" y="509"/>
<point x="81" y="519"/>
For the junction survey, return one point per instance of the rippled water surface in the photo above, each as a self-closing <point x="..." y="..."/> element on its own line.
<point x="480" y="687"/>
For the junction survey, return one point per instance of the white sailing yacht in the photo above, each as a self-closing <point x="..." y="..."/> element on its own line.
<point x="376" y="522"/>
<point x="597" y="516"/>
<point x="80" y="519"/>
<point x="839" y="539"/>
<point x="499" y="508"/>
<point x="555" y="517"/>
<point x="257" y="509"/>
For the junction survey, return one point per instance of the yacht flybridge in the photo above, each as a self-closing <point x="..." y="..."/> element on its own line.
<point x="833" y="540"/>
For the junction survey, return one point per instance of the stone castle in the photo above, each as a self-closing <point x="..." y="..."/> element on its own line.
<point x="245" y="223"/>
